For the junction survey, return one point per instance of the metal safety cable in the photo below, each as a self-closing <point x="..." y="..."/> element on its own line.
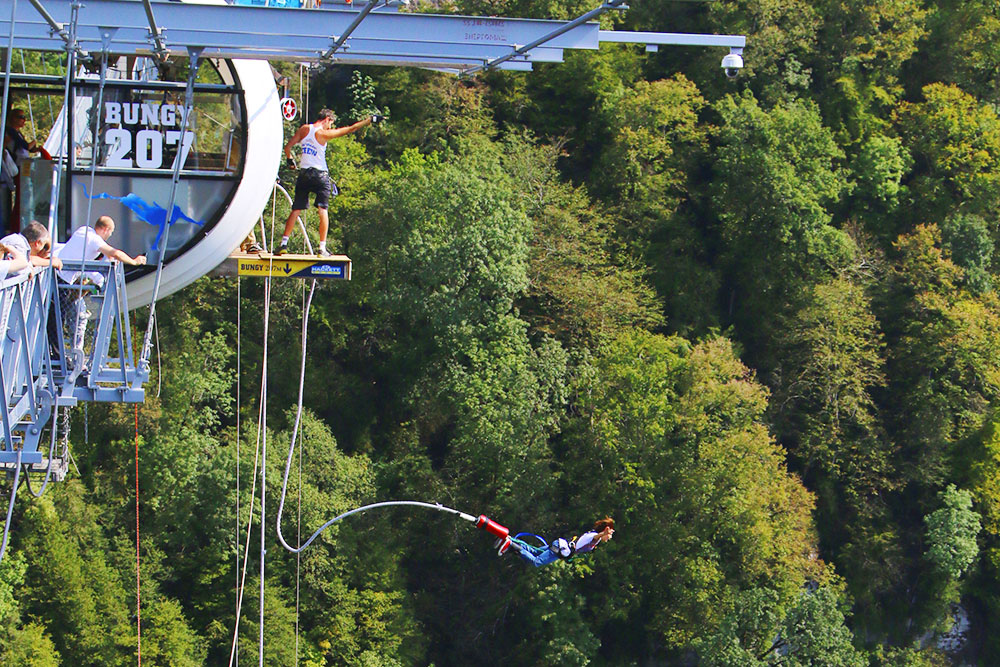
<point x="194" y="57"/>
<point x="81" y="307"/>
<point x="3" y="123"/>
<point x="6" y="80"/>
<point x="10" y="504"/>
<point x="64" y="139"/>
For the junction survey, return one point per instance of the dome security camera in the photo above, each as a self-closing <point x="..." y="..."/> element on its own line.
<point x="732" y="63"/>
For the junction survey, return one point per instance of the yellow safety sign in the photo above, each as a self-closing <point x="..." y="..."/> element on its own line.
<point x="293" y="266"/>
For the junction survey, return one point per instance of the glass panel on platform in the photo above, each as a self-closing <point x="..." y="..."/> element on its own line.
<point x="138" y="206"/>
<point x="35" y="191"/>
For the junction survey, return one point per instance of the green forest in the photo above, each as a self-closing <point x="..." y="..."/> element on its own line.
<point x="755" y="320"/>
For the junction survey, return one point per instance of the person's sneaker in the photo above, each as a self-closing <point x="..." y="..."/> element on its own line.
<point x="324" y="253"/>
<point x="254" y="249"/>
<point x="282" y="249"/>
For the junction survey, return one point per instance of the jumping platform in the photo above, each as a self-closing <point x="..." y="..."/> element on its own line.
<point x="334" y="267"/>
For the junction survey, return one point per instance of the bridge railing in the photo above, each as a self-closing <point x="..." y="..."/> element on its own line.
<point x="27" y="382"/>
<point x="62" y="343"/>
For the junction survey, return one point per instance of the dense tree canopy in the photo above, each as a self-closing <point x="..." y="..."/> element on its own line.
<point x="755" y="321"/>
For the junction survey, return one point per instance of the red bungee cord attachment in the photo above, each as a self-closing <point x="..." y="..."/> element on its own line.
<point x="493" y="528"/>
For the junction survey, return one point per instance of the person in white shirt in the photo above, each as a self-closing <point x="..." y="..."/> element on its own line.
<point x="85" y="244"/>
<point x="313" y="174"/>
<point x="12" y="261"/>
<point x="34" y="243"/>
<point x="90" y="244"/>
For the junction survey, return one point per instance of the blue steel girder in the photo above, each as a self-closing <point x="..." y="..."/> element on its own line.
<point x="384" y="36"/>
<point x="94" y="365"/>
<point x="26" y="379"/>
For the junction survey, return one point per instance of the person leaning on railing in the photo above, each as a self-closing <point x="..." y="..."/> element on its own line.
<point x="11" y="261"/>
<point x="85" y="244"/>
<point x="88" y="244"/>
<point x="35" y="243"/>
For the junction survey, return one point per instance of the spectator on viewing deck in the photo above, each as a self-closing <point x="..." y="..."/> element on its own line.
<point x="19" y="147"/>
<point x="85" y="244"/>
<point x="90" y="244"/>
<point x="35" y="243"/>
<point x="11" y="261"/>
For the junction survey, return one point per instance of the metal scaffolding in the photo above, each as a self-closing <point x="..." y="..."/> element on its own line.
<point x="374" y="34"/>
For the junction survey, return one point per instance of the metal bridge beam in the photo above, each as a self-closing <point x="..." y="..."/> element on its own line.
<point x="374" y="34"/>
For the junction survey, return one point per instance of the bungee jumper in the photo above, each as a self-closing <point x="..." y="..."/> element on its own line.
<point x="544" y="552"/>
<point x="538" y="555"/>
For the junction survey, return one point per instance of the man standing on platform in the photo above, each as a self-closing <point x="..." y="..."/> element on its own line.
<point x="313" y="175"/>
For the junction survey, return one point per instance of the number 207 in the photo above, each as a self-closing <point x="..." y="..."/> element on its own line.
<point x="148" y="147"/>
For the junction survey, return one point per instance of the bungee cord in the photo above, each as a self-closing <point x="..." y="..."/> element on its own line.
<point x="291" y="450"/>
<point x="261" y="439"/>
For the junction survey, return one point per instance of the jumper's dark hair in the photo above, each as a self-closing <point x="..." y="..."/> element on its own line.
<point x="34" y="231"/>
<point x="325" y="114"/>
<point x="601" y="524"/>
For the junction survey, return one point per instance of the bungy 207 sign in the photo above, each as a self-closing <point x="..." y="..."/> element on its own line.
<point x="155" y="125"/>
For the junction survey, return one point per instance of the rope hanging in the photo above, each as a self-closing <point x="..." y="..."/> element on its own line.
<point x="239" y="404"/>
<point x="194" y="55"/>
<point x="258" y="458"/>
<point x="31" y="114"/>
<point x="241" y="584"/>
<point x="138" y="599"/>
<point x="45" y="70"/>
<point x="298" y="529"/>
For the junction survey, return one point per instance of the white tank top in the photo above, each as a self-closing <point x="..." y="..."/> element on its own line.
<point x="313" y="152"/>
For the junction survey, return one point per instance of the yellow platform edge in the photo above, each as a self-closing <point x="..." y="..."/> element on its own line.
<point x="334" y="267"/>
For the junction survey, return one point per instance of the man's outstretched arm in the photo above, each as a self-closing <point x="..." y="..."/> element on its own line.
<point x="341" y="131"/>
<point x="122" y="256"/>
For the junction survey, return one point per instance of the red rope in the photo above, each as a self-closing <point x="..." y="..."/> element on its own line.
<point x="138" y="614"/>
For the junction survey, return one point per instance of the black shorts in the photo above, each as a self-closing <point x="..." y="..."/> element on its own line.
<point x="313" y="181"/>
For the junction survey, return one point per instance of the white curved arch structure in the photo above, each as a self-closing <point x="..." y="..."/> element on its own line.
<point x="264" y="137"/>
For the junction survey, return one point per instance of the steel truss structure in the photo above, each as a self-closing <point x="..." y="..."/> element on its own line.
<point x="374" y="34"/>
<point x="42" y="368"/>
